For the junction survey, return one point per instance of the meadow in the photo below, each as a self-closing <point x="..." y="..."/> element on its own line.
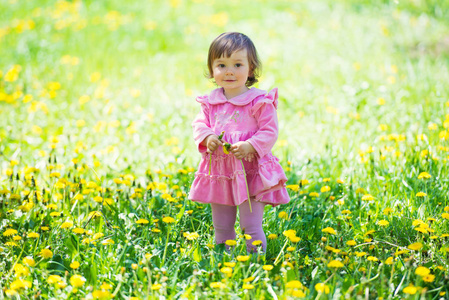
<point x="97" y="154"/>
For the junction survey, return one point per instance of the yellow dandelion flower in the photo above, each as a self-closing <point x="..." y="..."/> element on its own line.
<point x="101" y="294"/>
<point x="335" y="264"/>
<point x="46" y="253"/>
<point x="424" y="175"/>
<point x="78" y="230"/>
<point x="289" y="233"/>
<point x="168" y="220"/>
<point x="325" y="189"/>
<point x="422" y="271"/>
<point x="28" y="260"/>
<point x="230" y="264"/>
<point x="217" y="285"/>
<point x="411" y="290"/>
<point x="52" y="279"/>
<point x="191" y="236"/>
<point x="94" y="214"/>
<point x="445" y="216"/>
<point x="98" y="199"/>
<point x="351" y="243"/>
<point x="231" y="242"/>
<point x="77" y="281"/>
<point x="421" y="229"/>
<point x="105" y="286"/>
<point x="329" y="230"/>
<point x="298" y="293"/>
<point x="257" y="242"/>
<point x="75" y="265"/>
<point x="267" y="267"/>
<point x="283" y="215"/>
<point x="367" y="197"/>
<point x="389" y="261"/>
<point x="383" y="223"/>
<point x="387" y="211"/>
<point x="242" y="258"/>
<point x="360" y="254"/>
<point x="67" y="224"/>
<point x="272" y="236"/>
<point x="247" y="236"/>
<point x="293" y="187"/>
<point x="294" y="284"/>
<point x="428" y="278"/>
<point x="21" y="270"/>
<point x="369" y="232"/>
<point x="108" y="242"/>
<point x="142" y="221"/>
<point x="248" y="286"/>
<point x="11" y="293"/>
<point x="226" y="270"/>
<point x="421" y="194"/>
<point x="322" y="288"/>
<point x="9" y="232"/>
<point x="20" y="284"/>
<point x="372" y="258"/>
<point x="415" y="246"/>
<point x="401" y="252"/>
<point x="294" y="239"/>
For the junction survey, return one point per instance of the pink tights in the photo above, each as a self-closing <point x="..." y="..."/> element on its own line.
<point x="224" y="218"/>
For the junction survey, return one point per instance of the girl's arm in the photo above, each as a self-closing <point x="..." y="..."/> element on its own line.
<point x="265" y="137"/>
<point x="202" y="128"/>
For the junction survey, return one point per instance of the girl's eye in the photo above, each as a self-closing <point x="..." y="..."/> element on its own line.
<point x="221" y="65"/>
<point x="238" y="65"/>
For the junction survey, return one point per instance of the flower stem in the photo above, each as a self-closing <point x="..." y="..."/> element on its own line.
<point x="210" y="162"/>
<point x="247" y="189"/>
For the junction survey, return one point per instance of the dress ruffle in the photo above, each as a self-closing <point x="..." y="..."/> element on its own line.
<point x="271" y="97"/>
<point x="226" y="183"/>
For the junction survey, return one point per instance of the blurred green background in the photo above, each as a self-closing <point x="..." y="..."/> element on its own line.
<point x="118" y="80"/>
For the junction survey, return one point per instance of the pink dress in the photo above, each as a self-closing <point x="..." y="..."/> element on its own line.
<point x="249" y="117"/>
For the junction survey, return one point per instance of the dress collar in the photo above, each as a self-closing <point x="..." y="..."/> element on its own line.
<point x="217" y="96"/>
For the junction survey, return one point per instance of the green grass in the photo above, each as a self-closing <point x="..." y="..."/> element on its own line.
<point x="364" y="110"/>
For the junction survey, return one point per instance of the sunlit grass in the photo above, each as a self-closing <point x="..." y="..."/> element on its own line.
<point x="96" y="153"/>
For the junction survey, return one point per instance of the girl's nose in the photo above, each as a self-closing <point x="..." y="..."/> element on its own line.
<point x="229" y="71"/>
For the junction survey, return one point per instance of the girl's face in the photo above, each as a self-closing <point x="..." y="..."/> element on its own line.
<point x="231" y="73"/>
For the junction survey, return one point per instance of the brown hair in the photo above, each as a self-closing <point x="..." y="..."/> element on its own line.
<point x="229" y="42"/>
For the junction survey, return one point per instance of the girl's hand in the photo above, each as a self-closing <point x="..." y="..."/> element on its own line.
<point x="212" y="143"/>
<point x="250" y="157"/>
<point x="243" y="150"/>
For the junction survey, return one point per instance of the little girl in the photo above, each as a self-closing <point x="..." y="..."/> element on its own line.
<point x="248" y="118"/>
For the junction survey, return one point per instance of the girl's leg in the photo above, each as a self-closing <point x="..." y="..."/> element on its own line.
<point x="223" y="217"/>
<point x="251" y="223"/>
